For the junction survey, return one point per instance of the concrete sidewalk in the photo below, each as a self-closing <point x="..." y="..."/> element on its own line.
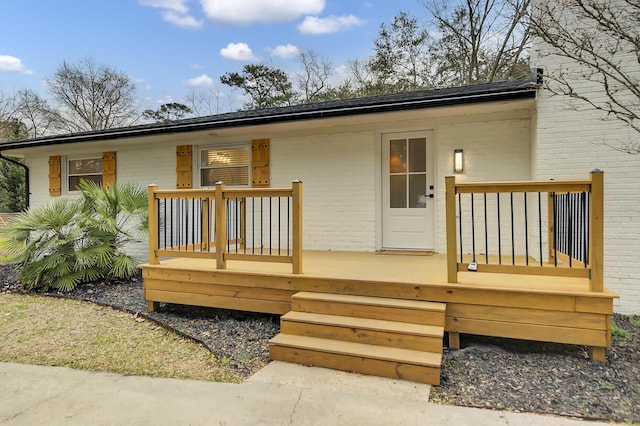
<point x="280" y="394"/>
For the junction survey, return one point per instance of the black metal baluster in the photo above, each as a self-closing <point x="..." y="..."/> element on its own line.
<point x="171" y="227"/>
<point x="164" y="231"/>
<point x="570" y="228"/>
<point x="513" y="243"/>
<point x="526" y="230"/>
<point x="540" y="224"/>
<point x="460" y="223"/>
<point x="238" y="224"/>
<point x="556" y="215"/>
<point x="270" y="225"/>
<point x="486" y="232"/>
<point x="499" y="231"/>
<point x="473" y="231"/>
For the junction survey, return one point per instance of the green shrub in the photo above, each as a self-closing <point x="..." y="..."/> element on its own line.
<point x="74" y="240"/>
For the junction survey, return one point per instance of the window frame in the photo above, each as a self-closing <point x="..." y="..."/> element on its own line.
<point x="222" y="146"/>
<point x="67" y="175"/>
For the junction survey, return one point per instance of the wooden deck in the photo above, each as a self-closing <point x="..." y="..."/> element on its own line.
<point x="552" y="309"/>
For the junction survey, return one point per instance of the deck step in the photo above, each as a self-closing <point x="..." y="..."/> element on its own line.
<point x="416" y="366"/>
<point x="411" y="311"/>
<point x="364" y="330"/>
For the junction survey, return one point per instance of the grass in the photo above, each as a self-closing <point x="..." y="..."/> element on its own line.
<point x="635" y="320"/>
<point x="621" y="333"/>
<point x="71" y="333"/>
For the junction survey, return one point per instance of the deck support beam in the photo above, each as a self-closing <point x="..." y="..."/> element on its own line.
<point x="597" y="353"/>
<point x="454" y="340"/>
<point x="152" y="306"/>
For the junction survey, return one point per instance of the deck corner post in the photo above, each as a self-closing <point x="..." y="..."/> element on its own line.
<point x="450" y="198"/>
<point x="296" y="186"/>
<point x="153" y="224"/>
<point x="596" y="231"/>
<point x="221" y="227"/>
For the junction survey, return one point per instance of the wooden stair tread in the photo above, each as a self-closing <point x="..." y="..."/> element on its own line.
<point x="365" y="323"/>
<point x="405" y="356"/>
<point x="372" y="301"/>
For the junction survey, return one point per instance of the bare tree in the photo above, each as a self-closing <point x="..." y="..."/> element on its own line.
<point x="26" y="107"/>
<point x="313" y="81"/>
<point x="602" y="37"/>
<point x="92" y="96"/>
<point x="481" y="40"/>
<point x="207" y="101"/>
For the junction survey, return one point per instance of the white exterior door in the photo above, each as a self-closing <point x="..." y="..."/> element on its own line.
<point x="408" y="205"/>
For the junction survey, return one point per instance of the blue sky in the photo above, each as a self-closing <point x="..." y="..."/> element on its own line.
<point x="171" y="46"/>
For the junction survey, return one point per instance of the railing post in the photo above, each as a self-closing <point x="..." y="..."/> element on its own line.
<point x="296" y="226"/>
<point x="153" y="224"/>
<point x="221" y="227"/>
<point x="206" y="224"/>
<point x="596" y="231"/>
<point x="450" y="199"/>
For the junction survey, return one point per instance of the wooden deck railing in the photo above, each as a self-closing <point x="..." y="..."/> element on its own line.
<point x="550" y="228"/>
<point x="251" y="224"/>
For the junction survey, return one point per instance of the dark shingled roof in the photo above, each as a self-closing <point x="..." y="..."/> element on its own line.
<point x="477" y="93"/>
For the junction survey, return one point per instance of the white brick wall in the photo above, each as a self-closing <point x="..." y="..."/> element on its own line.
<point x="494" y="150"/>
<point x="339" y="189"/>
<point x="569" y="144"/>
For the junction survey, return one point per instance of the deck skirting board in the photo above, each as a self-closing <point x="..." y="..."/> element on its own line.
<point x="561" y="316"/>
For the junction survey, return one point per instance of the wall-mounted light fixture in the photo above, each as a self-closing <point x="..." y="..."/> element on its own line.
<point x="458" y="163"/>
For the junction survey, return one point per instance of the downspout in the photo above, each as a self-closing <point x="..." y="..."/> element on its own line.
<point x="26" y="178"/>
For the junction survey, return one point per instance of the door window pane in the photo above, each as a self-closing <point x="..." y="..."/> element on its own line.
<point x="417" y="191"/>
<point x="398" y="156"/>
<point x="418" y="155"/>
<point x="398" y="191"/>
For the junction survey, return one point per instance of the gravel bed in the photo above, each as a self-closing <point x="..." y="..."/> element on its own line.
<point x="502" y="374"/>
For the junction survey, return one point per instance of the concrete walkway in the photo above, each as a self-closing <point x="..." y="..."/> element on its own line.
<point x="279" y="394"/>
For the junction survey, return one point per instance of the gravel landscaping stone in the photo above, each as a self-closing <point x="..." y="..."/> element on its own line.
<point x="493" y="373"/>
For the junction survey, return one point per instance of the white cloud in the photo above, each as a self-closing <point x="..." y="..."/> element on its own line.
<point x="330" y="24"/>
<point x="13" y="64"/>
<point x="200" y="81"/>
<point x="181" y="20"/>
<point x="285" y="51"/>
<point x="175" y="12"/>
<point x="237" y="52"/>
<point x="175" y="5"/>
<point x="251" y="11"/>
<point x="195" y="66"/>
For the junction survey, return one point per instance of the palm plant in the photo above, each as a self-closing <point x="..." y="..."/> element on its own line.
<point x="74" y="240"/>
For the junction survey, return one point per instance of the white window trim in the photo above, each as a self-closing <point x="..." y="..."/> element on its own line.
<point x="65" y="170"/>
<point x="224" y="145"/>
